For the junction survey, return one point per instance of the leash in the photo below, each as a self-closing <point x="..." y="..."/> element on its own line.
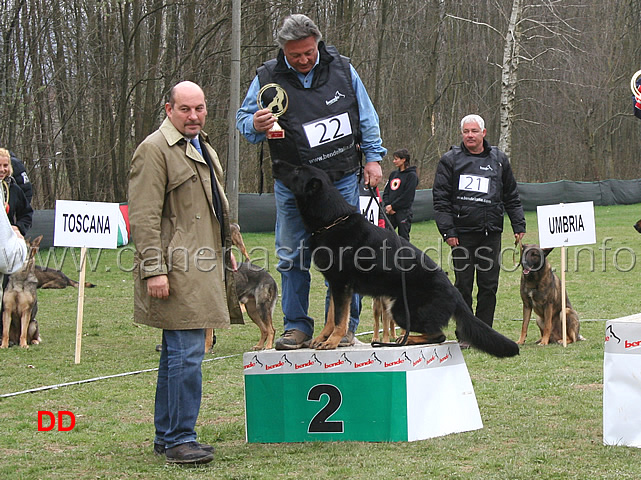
<point x="388" y="225"/>
<point x="336" y="222"/>
<point x="518" y="248"/>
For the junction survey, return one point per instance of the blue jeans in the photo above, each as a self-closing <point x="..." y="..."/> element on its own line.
<point x="294" y="257"/>
<point x="179" y="387"/>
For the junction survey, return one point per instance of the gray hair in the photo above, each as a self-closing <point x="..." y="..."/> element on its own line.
<point x="297" y="27"/>
<point x="473" y="118"/>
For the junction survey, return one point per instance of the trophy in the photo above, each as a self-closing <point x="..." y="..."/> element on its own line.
<point x="274" y="97"/>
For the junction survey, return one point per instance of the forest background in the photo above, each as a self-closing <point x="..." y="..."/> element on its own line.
<point x="83" y="82"/>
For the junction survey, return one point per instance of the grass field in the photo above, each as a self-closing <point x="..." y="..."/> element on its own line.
<point x="542" y="411"/>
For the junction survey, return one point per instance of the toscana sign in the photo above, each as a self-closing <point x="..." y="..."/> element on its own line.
<point x="85" y="225"/>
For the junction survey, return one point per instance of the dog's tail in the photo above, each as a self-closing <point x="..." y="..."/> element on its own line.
<point x="480" y="335"/>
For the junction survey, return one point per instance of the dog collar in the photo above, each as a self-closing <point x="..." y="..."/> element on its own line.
<point x="336" y="222"/>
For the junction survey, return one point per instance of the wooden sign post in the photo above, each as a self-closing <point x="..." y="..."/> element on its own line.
<point x="565" y="225"/>
<point x="85" y="225"/>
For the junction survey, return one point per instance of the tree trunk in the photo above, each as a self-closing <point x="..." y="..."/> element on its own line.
<point x="509" y="76"/>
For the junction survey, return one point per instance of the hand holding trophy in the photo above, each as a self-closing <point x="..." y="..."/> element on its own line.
<point x="274" y="97"/>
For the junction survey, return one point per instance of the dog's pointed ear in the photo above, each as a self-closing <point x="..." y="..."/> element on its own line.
<point x="546" y="251"/>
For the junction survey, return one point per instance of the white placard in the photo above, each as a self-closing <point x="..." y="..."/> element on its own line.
<point x="369" y="209"/>
<point x="326" y="130"/>
<point x="474" y="183"/>
<point x="86" y="224"/>
<point x="566" y="224"/>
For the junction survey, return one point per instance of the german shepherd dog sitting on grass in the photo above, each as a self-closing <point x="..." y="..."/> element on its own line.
<point x="20" y="300"/>
<point x="541" y="292"/>
<point x="356" y="256"/>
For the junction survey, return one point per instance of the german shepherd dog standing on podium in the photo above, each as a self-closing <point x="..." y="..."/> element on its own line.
<point x="356" y="256"/>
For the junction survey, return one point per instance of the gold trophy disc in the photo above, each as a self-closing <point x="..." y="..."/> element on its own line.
<point x="274" y="97"/>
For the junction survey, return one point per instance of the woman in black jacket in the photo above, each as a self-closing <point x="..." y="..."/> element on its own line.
<point x="17" y="206"/>
<point x="399" y="193"/>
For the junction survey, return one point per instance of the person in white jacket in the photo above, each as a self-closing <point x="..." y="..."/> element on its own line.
<point x="13" y="249"/>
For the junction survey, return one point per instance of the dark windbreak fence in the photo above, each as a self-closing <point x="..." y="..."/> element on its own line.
<point x="257" y="213"/>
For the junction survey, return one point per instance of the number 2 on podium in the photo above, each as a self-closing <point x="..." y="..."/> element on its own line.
<point x="320" y="423"/>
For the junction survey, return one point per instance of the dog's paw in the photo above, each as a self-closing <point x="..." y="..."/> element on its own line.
<point x="327" y="346"/>
<point x="316" y="342"/>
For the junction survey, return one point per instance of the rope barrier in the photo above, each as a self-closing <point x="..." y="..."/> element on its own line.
<point x="117" y="375"/>
<point x="95" y="379"/>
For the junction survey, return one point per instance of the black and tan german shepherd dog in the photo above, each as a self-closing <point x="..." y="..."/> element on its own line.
<point x="20" y="301"/>
<point x="356" y="256"/>
<point x="258" y="291"/>
<point x="541" y="292"/>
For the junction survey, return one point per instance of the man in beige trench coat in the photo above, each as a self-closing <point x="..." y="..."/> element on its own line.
<point x="179" y="220"/>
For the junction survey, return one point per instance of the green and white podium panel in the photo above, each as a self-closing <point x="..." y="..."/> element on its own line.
<point x="359" y="393"/>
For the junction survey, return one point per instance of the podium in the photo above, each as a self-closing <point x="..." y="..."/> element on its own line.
<point x="359" y="393"/>
<point x="621" y="382"/>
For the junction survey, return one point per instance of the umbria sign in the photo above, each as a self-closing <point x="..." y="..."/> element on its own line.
<point x="566" y="224"/>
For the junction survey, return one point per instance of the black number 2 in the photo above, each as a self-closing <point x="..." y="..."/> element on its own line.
<point x="320" y="423"/>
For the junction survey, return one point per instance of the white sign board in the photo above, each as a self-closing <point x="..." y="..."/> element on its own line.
<point x="369" y="209"/>
<point x="566" y="224"/>
<point x="86" y="224"/>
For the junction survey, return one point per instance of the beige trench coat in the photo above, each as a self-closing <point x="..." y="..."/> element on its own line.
<point x="176" y="232"/>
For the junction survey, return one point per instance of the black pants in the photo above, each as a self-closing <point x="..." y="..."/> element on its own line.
<point x="478" y="254"/>
<point x="402" y="220"/>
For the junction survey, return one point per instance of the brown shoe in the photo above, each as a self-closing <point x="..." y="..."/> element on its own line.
<point x="188" y="453"/>
<point x="291" y="340"/>
<point x="347" y="340"/>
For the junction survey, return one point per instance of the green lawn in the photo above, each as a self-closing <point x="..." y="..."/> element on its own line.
<point x="542" y="411"/>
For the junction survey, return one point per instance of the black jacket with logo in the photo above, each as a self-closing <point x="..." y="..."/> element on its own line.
<point x="322" y="109"/>
<point x="472" y="192"/>
<point x="401" y="189"/>
<point x="20" y="212"/>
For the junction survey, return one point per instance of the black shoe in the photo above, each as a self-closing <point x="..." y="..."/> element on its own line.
<point x="188" y="453"/>
<point x="159" y="448"/>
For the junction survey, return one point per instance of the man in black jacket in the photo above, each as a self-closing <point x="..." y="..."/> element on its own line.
<point x="473" y="187"/>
